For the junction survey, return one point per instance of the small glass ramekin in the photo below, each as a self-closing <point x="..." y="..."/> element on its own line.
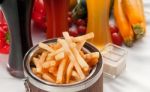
<point x="114" y="60"/>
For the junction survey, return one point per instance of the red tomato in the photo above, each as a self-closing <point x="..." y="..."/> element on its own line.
<point x="5" y="27"/>
<point x="5" y="49"/>
<point x="39" y="7"/>
<point x="69" y="14"/>
<point x="39" y="14"/>
<point x="117" y="39"/>
<point x="2" y="34"/>
<point x="70" y="21"/>
<point x="82" y="30"/>
<point x="2" y="19"/>
<point x="113" y="29"/>
<point x="4" y="46"/>
<point x="80" y="22"/>
<point x="73" y="31"/>
<point x="2" y="42"/>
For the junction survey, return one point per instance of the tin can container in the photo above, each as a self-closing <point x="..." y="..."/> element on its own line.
<point x="92" y="83"/>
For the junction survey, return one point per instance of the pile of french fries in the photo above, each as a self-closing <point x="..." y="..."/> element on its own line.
<point x="64" y="62"/>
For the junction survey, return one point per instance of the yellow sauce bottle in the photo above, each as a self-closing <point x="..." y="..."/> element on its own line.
<point x="98" y="21"/>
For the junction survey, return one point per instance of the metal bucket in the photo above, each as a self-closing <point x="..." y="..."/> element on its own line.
<point x="92" y="83"/>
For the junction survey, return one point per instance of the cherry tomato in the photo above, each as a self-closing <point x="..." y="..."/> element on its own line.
<point x="5" y="49"/>
<point x="69" y="14"/>
<point x="113" y="29"/>
<point x="39" y="14"/>
<point x="2" y="42"/>
<point x="73" y="31"/>
<point x="80" y="22"/>
<point x="2" y="19"/>
<point x="2" y="34"/>
<point x="5" y="27"/>
<point x="117" y="39"/>
<point x="4" y="45"/>
<point x="39" y="20"/>
<point x="82" y="30"/>
<point x="39" y="7"/>
<point x="70" y="21"/>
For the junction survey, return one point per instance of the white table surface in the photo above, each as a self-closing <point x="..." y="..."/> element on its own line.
<point x="136" y="77"/>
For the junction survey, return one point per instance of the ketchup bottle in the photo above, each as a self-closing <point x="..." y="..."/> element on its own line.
<point x="18" y="16"/>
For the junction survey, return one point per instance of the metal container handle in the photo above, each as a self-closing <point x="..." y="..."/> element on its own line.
<point x="26" y="84"/>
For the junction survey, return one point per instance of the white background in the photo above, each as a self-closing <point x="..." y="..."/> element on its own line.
<point x="136" y="77"/>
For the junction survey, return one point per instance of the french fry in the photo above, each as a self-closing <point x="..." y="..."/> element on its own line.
<point x="60" y="56"/>
<point x="49" y="57"/>
<point x="48" y="77"/>
<point x="68" y="39"/>
<point x="82" y="54"/>
<point x="75" y="75"/>
<point x="92" y="58"/>
<point x="80" y="45"/>
<point x="41" y="61"/>
<point x="72" y="58"/>
<point x="34" y="70"/>
<point x="39" y="56"/>
<point x="76" y="54"/>
<point x="45" y="70"/>
<point x="45" y="47"/>
<point x="69" y="71"/>
<point x="43" y="57"/>
<point x="39" y="70"/>
<point x="80" y="60"/>
<point x="56" y="52"/>
<point x="54" y="63"/>
<point x="46" y="64"/>
<point x="36" y="62"/>
<point x="91" y="55"/>
<point x="54" y="74"/>
<point x="35" y="59"/>
<point x="55" y="46"/>
<point x="72" y="81"/>
<point x="53" y="70"/>
<point x="39" y="75"/>
<point x="61" y="71"/>
<point x="83" y="37"/>
<point x="51" y="63"/>
<point x="94" y="61"/>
